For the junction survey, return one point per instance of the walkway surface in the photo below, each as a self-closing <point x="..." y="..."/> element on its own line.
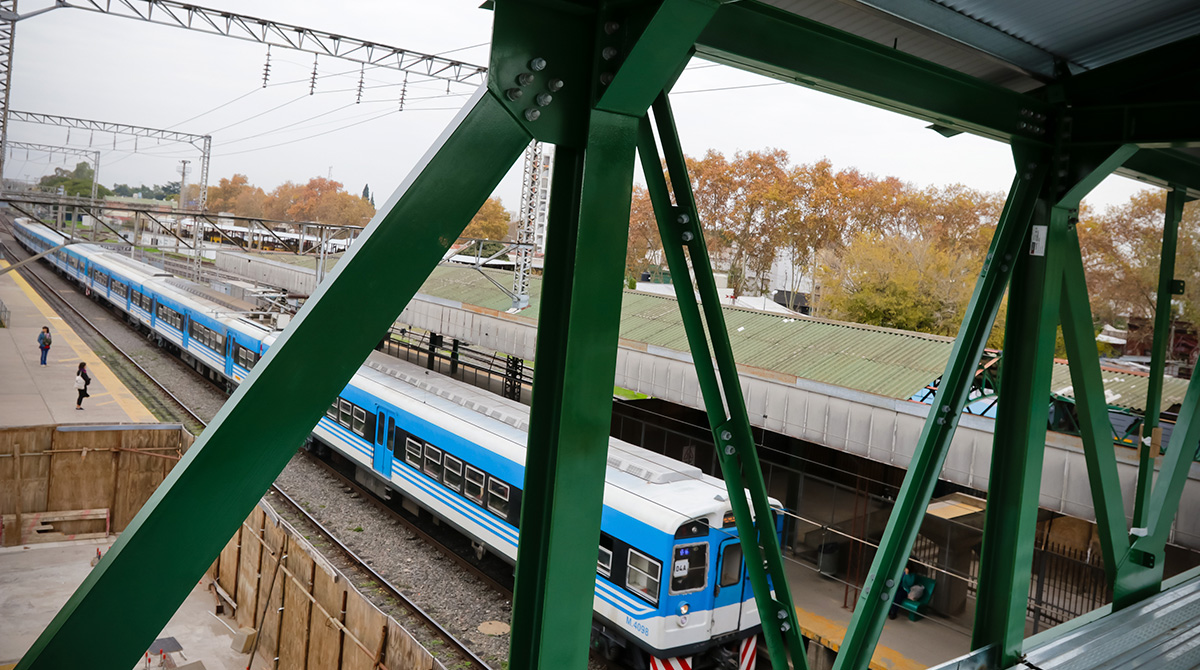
<point x="35" y="395"/>
<point x="36" y="581"/>
<point x="905" y="645"/>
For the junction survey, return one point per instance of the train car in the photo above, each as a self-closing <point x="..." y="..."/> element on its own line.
<point x="218" y="343"/>
<point x="671" y="587"/>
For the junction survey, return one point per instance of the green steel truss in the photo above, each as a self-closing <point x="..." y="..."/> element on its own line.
<point x="597" y="67"/>
<point x="683" y="240"/>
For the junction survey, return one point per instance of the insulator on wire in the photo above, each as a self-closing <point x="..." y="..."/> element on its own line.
<point x="267" y="67"/>
<point x="403" y="91"/>
<point x="361" y="71"/>
<point x="68" y="137"/>
<point x="312" y="87"/>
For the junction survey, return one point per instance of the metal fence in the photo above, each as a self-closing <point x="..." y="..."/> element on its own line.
<point x="504" y="375"/>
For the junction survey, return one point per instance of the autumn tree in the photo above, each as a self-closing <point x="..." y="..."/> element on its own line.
<point x="898" y="281"/>
<point x="236" y="195"/>
<point x="1121" y="252"/>
<point x="644" y="251"/>
<point x="490" y="222"/>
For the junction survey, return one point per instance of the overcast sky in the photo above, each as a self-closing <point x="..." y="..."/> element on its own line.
<point x="71" y="62"/>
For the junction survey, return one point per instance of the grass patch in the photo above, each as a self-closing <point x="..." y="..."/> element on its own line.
<point x="627" y="394"/>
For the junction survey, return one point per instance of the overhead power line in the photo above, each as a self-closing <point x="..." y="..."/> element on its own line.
<point x="274" y="33"/>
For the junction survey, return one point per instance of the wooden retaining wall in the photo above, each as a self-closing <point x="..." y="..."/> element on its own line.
<point x="79" y="481"/>
<point x="306" y="613"/>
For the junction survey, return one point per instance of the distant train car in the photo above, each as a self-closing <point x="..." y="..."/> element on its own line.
<point x="671" y="586"/>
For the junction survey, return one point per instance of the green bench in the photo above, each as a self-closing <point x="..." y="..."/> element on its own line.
<point x="915" y="607"/>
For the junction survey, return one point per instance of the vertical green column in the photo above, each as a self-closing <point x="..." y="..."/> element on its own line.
<point x="1008" y="243"/>
<point x="1148" y="450"/>
<point x="1020" y="437"/>
<point x="572" y="396"/>
<point x="192" y="515"/>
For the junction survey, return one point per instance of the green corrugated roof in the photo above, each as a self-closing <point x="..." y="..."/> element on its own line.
<point x="876" y="360"/>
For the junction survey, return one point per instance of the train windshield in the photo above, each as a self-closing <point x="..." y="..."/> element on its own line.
<point x="689" y="568"/>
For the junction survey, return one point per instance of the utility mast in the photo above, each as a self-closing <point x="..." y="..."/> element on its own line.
<point x="182" y="189"/>
<point x="535" y="205"/>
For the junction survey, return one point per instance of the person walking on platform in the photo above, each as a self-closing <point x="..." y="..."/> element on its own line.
<point x="44" y="340"/>
<point x="81" y="383"/>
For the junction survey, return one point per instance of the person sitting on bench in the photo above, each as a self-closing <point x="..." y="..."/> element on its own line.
<point x="908" y="581"/>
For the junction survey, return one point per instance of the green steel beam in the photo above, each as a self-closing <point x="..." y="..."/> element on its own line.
<point x="683" y="238"/>
<point x="572" y="397"/>
<point x="1008" y="243"/>
<point x="1151" y="76"/>
<point x="1095" y="427"/>
<point x="1149" y="449"/>
<point x="1150" y="125"/>
<point x="778" y="44"/>
<point x="1020" y="438"/>
<point x="654" y="58"/>
<point x="176" y="535"/>
<point x="1167" y="168"/>
<point x="1181" y="453"/>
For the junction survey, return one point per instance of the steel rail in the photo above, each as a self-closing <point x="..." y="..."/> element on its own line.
<point x="391" y="590"/>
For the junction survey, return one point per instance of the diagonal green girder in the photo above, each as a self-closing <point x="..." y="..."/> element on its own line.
<point x="681" y="231"/>
<point x="191" y="516"/>
<point x="1008" y="242"/>
<point x="572" y="397"/>
<point x="1094" y="425"/>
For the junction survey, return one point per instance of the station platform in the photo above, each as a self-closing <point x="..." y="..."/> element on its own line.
<point x="904" y="645"/>
<point x="37" y="580"/>
<point x="32" y="394"/>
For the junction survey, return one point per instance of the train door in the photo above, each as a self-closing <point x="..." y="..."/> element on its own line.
<point x="385" y="441"/>
<point x="727" y="589"/>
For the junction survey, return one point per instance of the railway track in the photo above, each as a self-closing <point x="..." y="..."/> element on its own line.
<point x="173" y="406"/>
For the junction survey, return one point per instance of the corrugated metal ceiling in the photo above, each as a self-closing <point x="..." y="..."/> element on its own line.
<point x="1012" y="43"/>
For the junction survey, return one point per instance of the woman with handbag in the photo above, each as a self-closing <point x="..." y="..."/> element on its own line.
<point x="81" y="383"/>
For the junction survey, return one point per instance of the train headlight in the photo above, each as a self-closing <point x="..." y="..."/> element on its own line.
<point x="682" y="620"/>
<point x="684" y="608"/>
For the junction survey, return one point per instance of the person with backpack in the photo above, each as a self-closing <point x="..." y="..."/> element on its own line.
<point x="81" y="383"/>
<point x="44" y="341"/>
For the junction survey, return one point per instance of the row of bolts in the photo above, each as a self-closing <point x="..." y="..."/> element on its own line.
<point x="555" y="85"/>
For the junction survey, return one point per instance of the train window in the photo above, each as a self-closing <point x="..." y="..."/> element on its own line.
<point x="120" y="289"/>
<point x="391" y="435"/>
<point x="344" y="412"/>
<point x="689" y="568"/>
<point x="642" y="576"/>
<point x="412" y="453"/>
<point x="380" y="429"/>
<point x="731" y="564"/>
<point x="474" y="488"/>
<point x="332" y="412"/>
<point x="604" y="563"/>
<point x="498" y="498"/>
<point x="246" y="358"/>
<point x="452" y="473"/>
<point x="433" y="461"/>
<point x="358" y="421"/>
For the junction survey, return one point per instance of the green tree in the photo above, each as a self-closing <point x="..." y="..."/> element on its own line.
<point x="77" y="182"/>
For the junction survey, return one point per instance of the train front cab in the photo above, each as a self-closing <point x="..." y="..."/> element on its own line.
<point x="706" y="612"/>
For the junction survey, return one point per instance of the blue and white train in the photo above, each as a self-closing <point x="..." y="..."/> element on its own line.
<point x="671" y="588"/>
